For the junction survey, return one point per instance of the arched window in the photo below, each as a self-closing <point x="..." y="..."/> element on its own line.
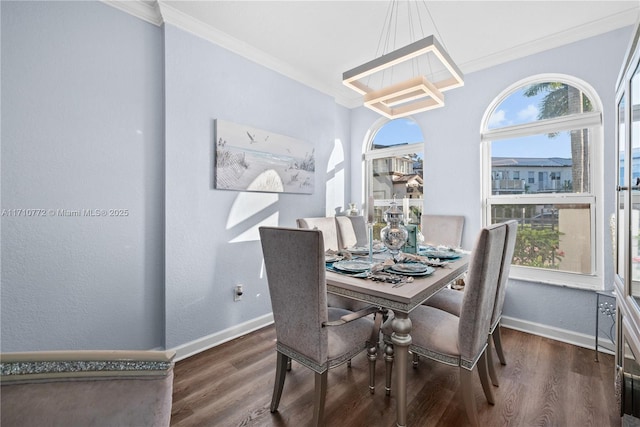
<point x="542" y="165"/>
<point x="393" y="159"/>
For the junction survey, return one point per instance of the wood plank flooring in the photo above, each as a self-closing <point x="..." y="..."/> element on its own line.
<point x="545" y="383"/>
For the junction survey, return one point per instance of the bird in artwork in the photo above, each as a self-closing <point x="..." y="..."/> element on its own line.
<point x="252" y="138"/>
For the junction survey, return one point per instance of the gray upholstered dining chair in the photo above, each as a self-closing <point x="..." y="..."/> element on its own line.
<point x="352" y="231"/>
<point x="331" y="230"/>
<point x="450" y="300"/>
<point x="461" y="341"/>
<point x="443" y="230"/>
<point x="307" y="330"/>
<point x="328" y="226"/>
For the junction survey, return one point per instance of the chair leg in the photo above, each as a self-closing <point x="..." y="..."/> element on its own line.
<point x="497" y="340"/>
<point x="377" y="323"/>
<point x="466" y="386"/>
<point x="481" y="366"/>
<point x="388" y="358"/>
<point x="319" y="398"/>
<point x="372" y="353"/>
<point x="490" y="363"/>
<point x="281" y="371"/>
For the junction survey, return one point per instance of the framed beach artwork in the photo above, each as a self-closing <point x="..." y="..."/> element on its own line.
<point x="249" y="159"/>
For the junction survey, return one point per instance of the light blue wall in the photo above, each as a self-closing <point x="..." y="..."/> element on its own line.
<point x="452" y="161"/>
<point x="211" y="235"/>
<point x="81" y="129"/>
<point x="111" y="112"/>
<point x="105" y="111"/>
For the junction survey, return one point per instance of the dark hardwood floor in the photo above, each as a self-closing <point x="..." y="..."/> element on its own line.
<point x="545" y="383"/>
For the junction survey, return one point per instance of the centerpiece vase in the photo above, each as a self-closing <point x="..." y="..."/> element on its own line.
<point x="394" y="235"/>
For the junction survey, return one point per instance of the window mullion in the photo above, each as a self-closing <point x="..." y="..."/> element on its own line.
<point x="393" y="151"/>
<point x="536" y="199"/>
<point x="576" y="121"/>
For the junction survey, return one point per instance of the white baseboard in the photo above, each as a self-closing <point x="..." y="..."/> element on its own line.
<point x="194" y="347"/>
<point x="562" y="335"/>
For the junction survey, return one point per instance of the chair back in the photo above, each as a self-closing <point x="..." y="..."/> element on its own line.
<point x="442" y="229"/>
<point x="326" y="224"/>
<point x="352" y="231"/>
<point x="480" y="292"/>
<point x="294" y="262"/>
<point x="507" y="256"/>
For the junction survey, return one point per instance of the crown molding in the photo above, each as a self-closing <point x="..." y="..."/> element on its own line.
<point x="200" y="29"/>
<point x="158" y="12"/>
<point x="594" y="28"/>
<point x="147" y="10"/>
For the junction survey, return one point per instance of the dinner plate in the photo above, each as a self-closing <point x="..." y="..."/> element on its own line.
<point x="440" y="254"/>
<point x="362" y="250"/>
<point x="427" y="272"/>
<point x="352" y="266"/>
<point x="412" y="267"/>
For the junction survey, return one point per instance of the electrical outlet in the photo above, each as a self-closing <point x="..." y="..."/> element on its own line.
<point x="237" y="293"/>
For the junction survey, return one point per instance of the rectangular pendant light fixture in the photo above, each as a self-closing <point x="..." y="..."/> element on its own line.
<point x="413" y="95"/>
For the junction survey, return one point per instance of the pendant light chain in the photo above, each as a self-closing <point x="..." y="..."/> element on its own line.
<point x="435" y="27"/>
<point x="385" y="36"/>
<point x="419" y="92"/>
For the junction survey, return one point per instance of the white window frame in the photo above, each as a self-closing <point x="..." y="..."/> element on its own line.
<point x="589" y="120"/>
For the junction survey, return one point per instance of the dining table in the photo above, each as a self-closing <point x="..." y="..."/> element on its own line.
<point x="402" y="299"/>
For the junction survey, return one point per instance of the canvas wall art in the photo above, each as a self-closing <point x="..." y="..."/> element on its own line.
<point x="249" y="159"/>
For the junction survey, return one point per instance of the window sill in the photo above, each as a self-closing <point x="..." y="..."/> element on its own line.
<point x="591" y="282"/>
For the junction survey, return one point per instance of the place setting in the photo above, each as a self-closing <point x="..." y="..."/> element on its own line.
<point x="399" y="267"/>
<point x="376" y="248"/>
<point x="440" y="252"/>
<point x="387" y="271"/>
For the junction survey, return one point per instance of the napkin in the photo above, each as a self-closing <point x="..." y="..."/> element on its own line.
<point x="444" y="248"/>
<point x="381" y="265"/>
<point x="403" y="257"/>
<point x="346" y="255"/>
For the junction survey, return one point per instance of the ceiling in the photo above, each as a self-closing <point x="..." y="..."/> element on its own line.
<point x="314" y="42"/>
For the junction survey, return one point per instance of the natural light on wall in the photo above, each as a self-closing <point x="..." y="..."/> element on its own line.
<point x="247" y="214"/>
<point x="335" y="180"/>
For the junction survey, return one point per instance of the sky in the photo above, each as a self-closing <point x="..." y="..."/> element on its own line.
<point x="399" y="131"/>
<point x="519" y="109"/>
<point x="515" y="109"/>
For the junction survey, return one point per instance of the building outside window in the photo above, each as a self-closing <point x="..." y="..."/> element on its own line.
<point x="548" y="129"/>
<point x="394" y="170"/>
